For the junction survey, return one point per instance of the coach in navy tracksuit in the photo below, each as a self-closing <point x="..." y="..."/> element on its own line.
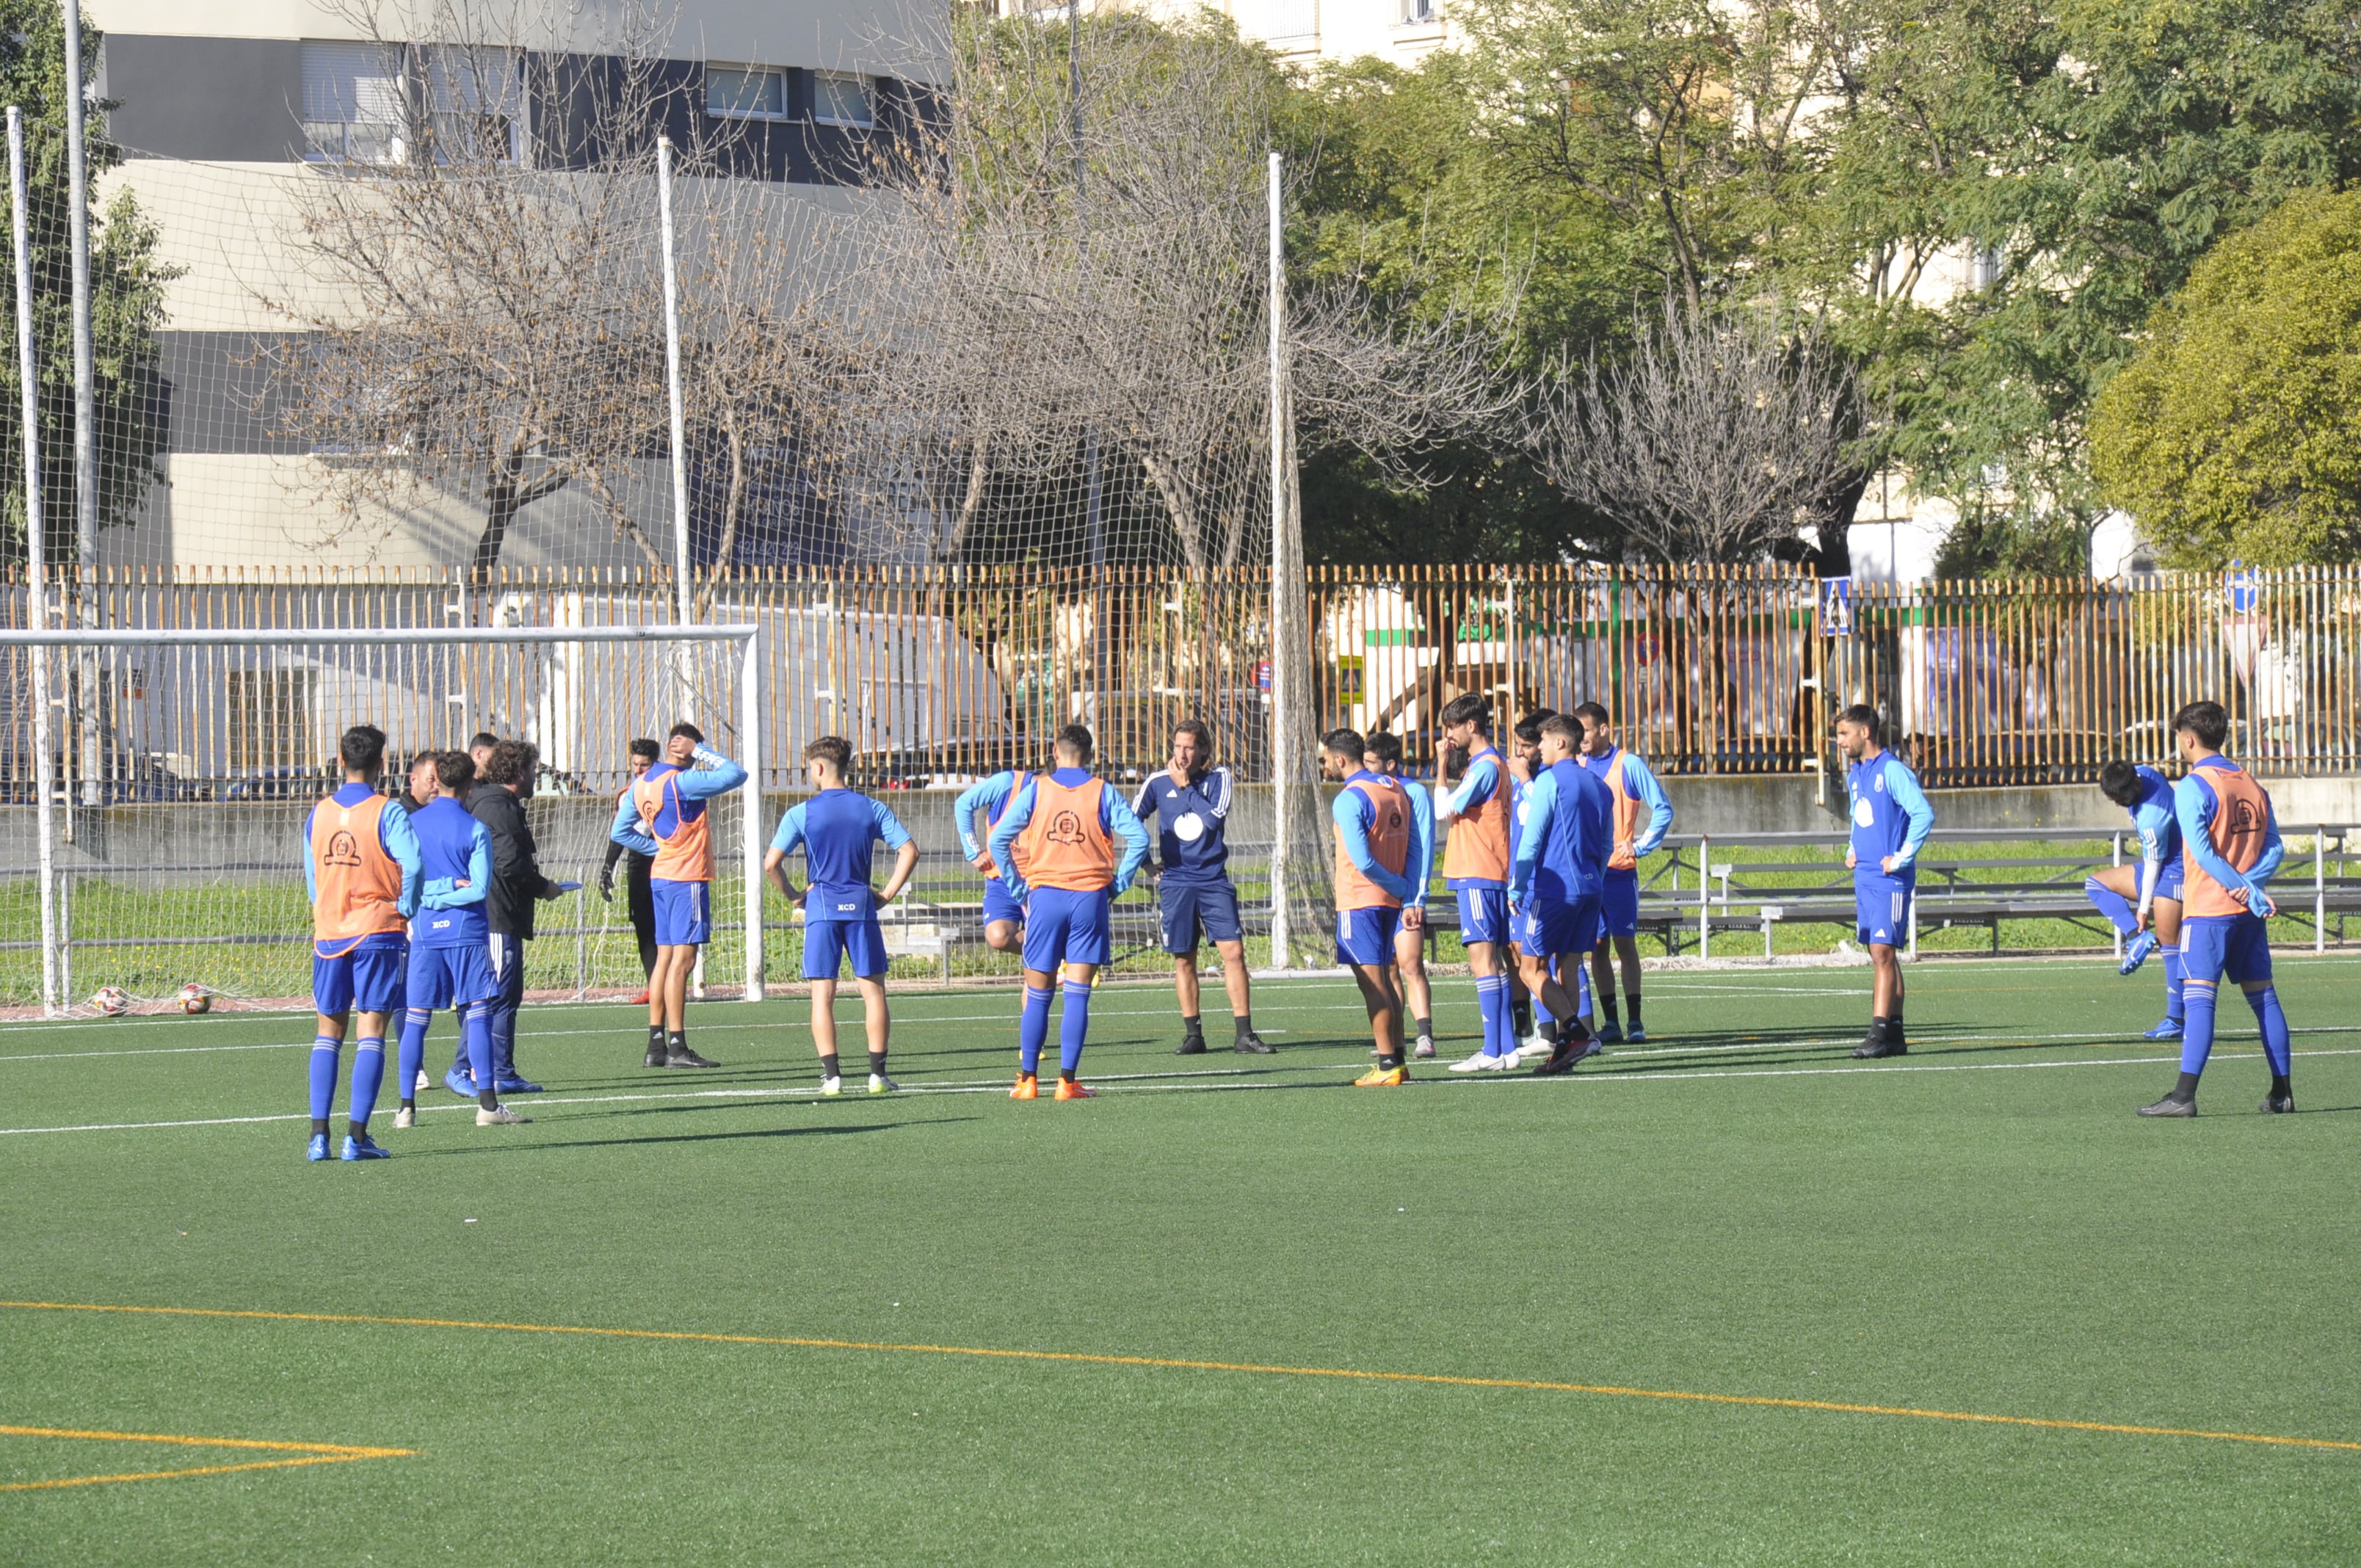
<point x="1190" y="803"/>
<point x="498" y="801"/>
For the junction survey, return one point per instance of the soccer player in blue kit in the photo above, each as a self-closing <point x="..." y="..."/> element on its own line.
<point x="838" y="829"/>
<point x="1377" y="848"/>
<point x="2230" y="847"/>
<point x="362" y="869"/>
<point x="1381" y="754"/>
<point x="1190" y="802"/>
<point x="1004" y="912"/>
<point x="1634" y="789"/>
<point x="664" y="817"/>
<point x="1554" y="883"/>
<point x="1891" y="820"/>
<point x="2143" y="901"/>
<point x="1056" y="841"/>
<point x="450" y="956"/>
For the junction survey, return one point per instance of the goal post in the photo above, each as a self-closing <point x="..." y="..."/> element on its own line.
<point x="234" y="729"/>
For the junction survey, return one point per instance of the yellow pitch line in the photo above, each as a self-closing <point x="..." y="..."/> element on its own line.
<point x="1091" y="1359"/>
<point x="316" y="1452"/>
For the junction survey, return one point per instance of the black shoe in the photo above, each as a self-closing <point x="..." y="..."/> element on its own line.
<point x="656" y="1056"/>
<point x="2169" y="1107"/>
<point x="1569" y="1054"/>
<point x="1251" y="1044"/>
<point x="2273" y="1105"/>
<point x="686" y="1057"/>
<point x="1190" y="1046"/>
<point x="1870" y="1050"/>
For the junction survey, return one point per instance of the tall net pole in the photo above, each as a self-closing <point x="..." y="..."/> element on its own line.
<point x="675" y="411"/>
<point x="36" y="591"/>
<point x="85" y="398"/>
<point x="1284" y="748"/>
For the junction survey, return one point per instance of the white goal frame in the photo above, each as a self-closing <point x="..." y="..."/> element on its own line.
<point x="749" y="722"/>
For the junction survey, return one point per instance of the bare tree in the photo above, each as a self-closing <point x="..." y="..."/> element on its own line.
<point x="1721" y="434"/>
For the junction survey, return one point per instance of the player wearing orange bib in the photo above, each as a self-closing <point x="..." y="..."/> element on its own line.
<point x="665" y="819"/>
<point x="1376" y="848"/>
<point x="362" y="869"/>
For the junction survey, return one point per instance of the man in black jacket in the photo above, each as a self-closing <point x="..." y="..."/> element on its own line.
<point x="643" y="897"/>
<point x="497" y="802"/>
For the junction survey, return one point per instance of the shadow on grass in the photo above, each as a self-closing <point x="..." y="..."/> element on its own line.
<point x="672" y="1138"/>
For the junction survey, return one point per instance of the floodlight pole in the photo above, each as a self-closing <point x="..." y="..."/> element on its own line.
<point x="85" y="444"/>
<point x="1282" y="763"/>
<point x="679" y="416"/>
<point x="36" y="567"/>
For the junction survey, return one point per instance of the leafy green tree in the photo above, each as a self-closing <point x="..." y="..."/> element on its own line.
<point x="126" y="305"/>
<point x="2237" y="431"/>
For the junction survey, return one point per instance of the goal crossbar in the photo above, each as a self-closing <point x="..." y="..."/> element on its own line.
<point x="750" y="724"/>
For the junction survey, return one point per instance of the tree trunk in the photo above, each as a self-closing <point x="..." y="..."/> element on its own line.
<point x="979" y="468"/>
<point x="1176" y="506"/>
<point x="500" y="509"/>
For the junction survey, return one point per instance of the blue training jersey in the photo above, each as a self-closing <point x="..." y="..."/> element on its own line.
<point x="838" y="830"/>
<point x="1569" y="830"/>
<point x="1419" y="870"/>
<point x="2152" y="816"/>
<point x="454" y="853"/>
<point x="1192" y="822"/>
<point x="1890" y="814"/>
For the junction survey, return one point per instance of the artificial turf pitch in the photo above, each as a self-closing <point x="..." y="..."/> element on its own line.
<point x="1736" y="1209"/>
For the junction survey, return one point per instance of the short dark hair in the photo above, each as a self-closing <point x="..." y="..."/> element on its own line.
<point x="686" y="728"/>
<point x="643" y="747"/>
<point x="2120" y="782"/>
<point x="1076" y="738"/>
<point x="2209" y="721"/>
<point x="454" y="770"/>
<point x="483" y="737"/>
<point x="1564" y="726"/>
<point x="1382" y="744"/>
<point x="1864" y="715"/>
<point x="362" y="748"/>
<point x="833" y="750"/>
<point x="511" y="762"/>
<point x="1344" y="743"/>
<point x="1470" y="708"/>
<point x="1196" y="729"/>
<point x="1529" y="728"/>
<point x="1593" y="711"/>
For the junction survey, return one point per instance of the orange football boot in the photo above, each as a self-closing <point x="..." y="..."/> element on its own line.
<point x="1382" y="1077"/>
<point x="1028" y="1088"/>
<point x="1069" y="1090"/>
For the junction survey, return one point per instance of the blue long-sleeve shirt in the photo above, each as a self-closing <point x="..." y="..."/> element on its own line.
<point x="2158" y="827"/>
<point x="1890" y="814"/>
<point x="714" y="774"/>
<point x="456" y="853"/>
<point x="1475" y="787"/>
<point x="1540" y="806"/>
<point x="986" y="795"/>
<point x="2195" y="803"/>
<point x="393" y="832"/>
<point x="1420" y="868"/>
<point x="1351" y="812"/>
<point x="1640" y="783"/>
<point x="1114" y="815"/>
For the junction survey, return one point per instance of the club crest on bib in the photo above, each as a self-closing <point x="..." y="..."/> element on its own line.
<point x="1066" y="828"/>
<point x="343" y="849"/>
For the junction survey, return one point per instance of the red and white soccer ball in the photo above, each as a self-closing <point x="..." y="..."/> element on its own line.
<point x="195" y="998"/>
<point x="110" y="1001"/>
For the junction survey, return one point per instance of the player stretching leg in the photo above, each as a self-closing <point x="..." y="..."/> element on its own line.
<point x="1191" y="801"/>
<point x="449" y="958"/>
<point x="1004" y="913"/>
<point x="1553" y="883"/>
<point x="1476" y="858"/>
<point x="1632" y="787"/>
<point x="840" y="829"/>
<point x="2230" y="848"/>
<point x="1375" y="848"/>
<point x="665" y="817"/>
<point x="1382" y="754"/>
<point x="361" y="869"/>
<point x="2134" y="898"/>
<point x="1891" y="819"/>
<point x="1057" y="840"/>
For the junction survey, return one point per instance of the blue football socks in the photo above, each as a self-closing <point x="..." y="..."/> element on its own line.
<point x="1492" y="1002"/>
<point x="476" y="1028"/>
<point x="413" y="1055"/>
<point x="2113" y="904"/>
<point x="2174" y="973"/>
<point x="2272" y="1020"/>
<point x="1073" y="1029"/>
<point x="369" y="1075"/>
<point x="2196" y="1028"/>
<point x="325" y="1051"/>
<point x="1032" y="1029"/>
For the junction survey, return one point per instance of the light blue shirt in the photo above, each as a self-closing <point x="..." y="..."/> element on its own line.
<point x="1640" y="783"/>
<point x="985" y="796"/>
<point x="1534" y="814"/>
<point x="715" y="775"/>
<point x="1420" y="867"/>
<point x="1114" y="815"/>
<point x="1350" y="811"/>
<point x="1482" y="778"/>
<point x="2195" y="803"/>
<point x="393" y="832"/>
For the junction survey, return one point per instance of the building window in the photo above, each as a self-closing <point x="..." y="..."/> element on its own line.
<point x="1417" y="11"/>
<point x="733" y="93"/>
<point x="1291" y="19"/>
<point x="475" y="103"/>
<point x="840" y="99"/>
<point x="353" y="104"/>
<point x="1985" y="269"/>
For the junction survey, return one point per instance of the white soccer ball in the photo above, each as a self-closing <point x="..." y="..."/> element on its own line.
<point x="195" y="998"/>
<point x="110" y="1001"/>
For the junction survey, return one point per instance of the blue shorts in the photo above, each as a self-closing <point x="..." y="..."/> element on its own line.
<point x="1881" y="908"/>
<point x="1191" y="908"/>
<point x="830" y="943"/>
<point x="450" y="977"/>
<point x="369" y="976"/>
<point x="1550" y="929"/>
<point x="2236" y="948"/>
<point x="684" y="913"/>
<point x="2169" y="879"/>
<point x="1483" y="914"/>
<point x="1619" y="904"/>
<point x="1063" y="927"/>
<point x="1366" y="935"/>
<point x="998" y="906"/>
